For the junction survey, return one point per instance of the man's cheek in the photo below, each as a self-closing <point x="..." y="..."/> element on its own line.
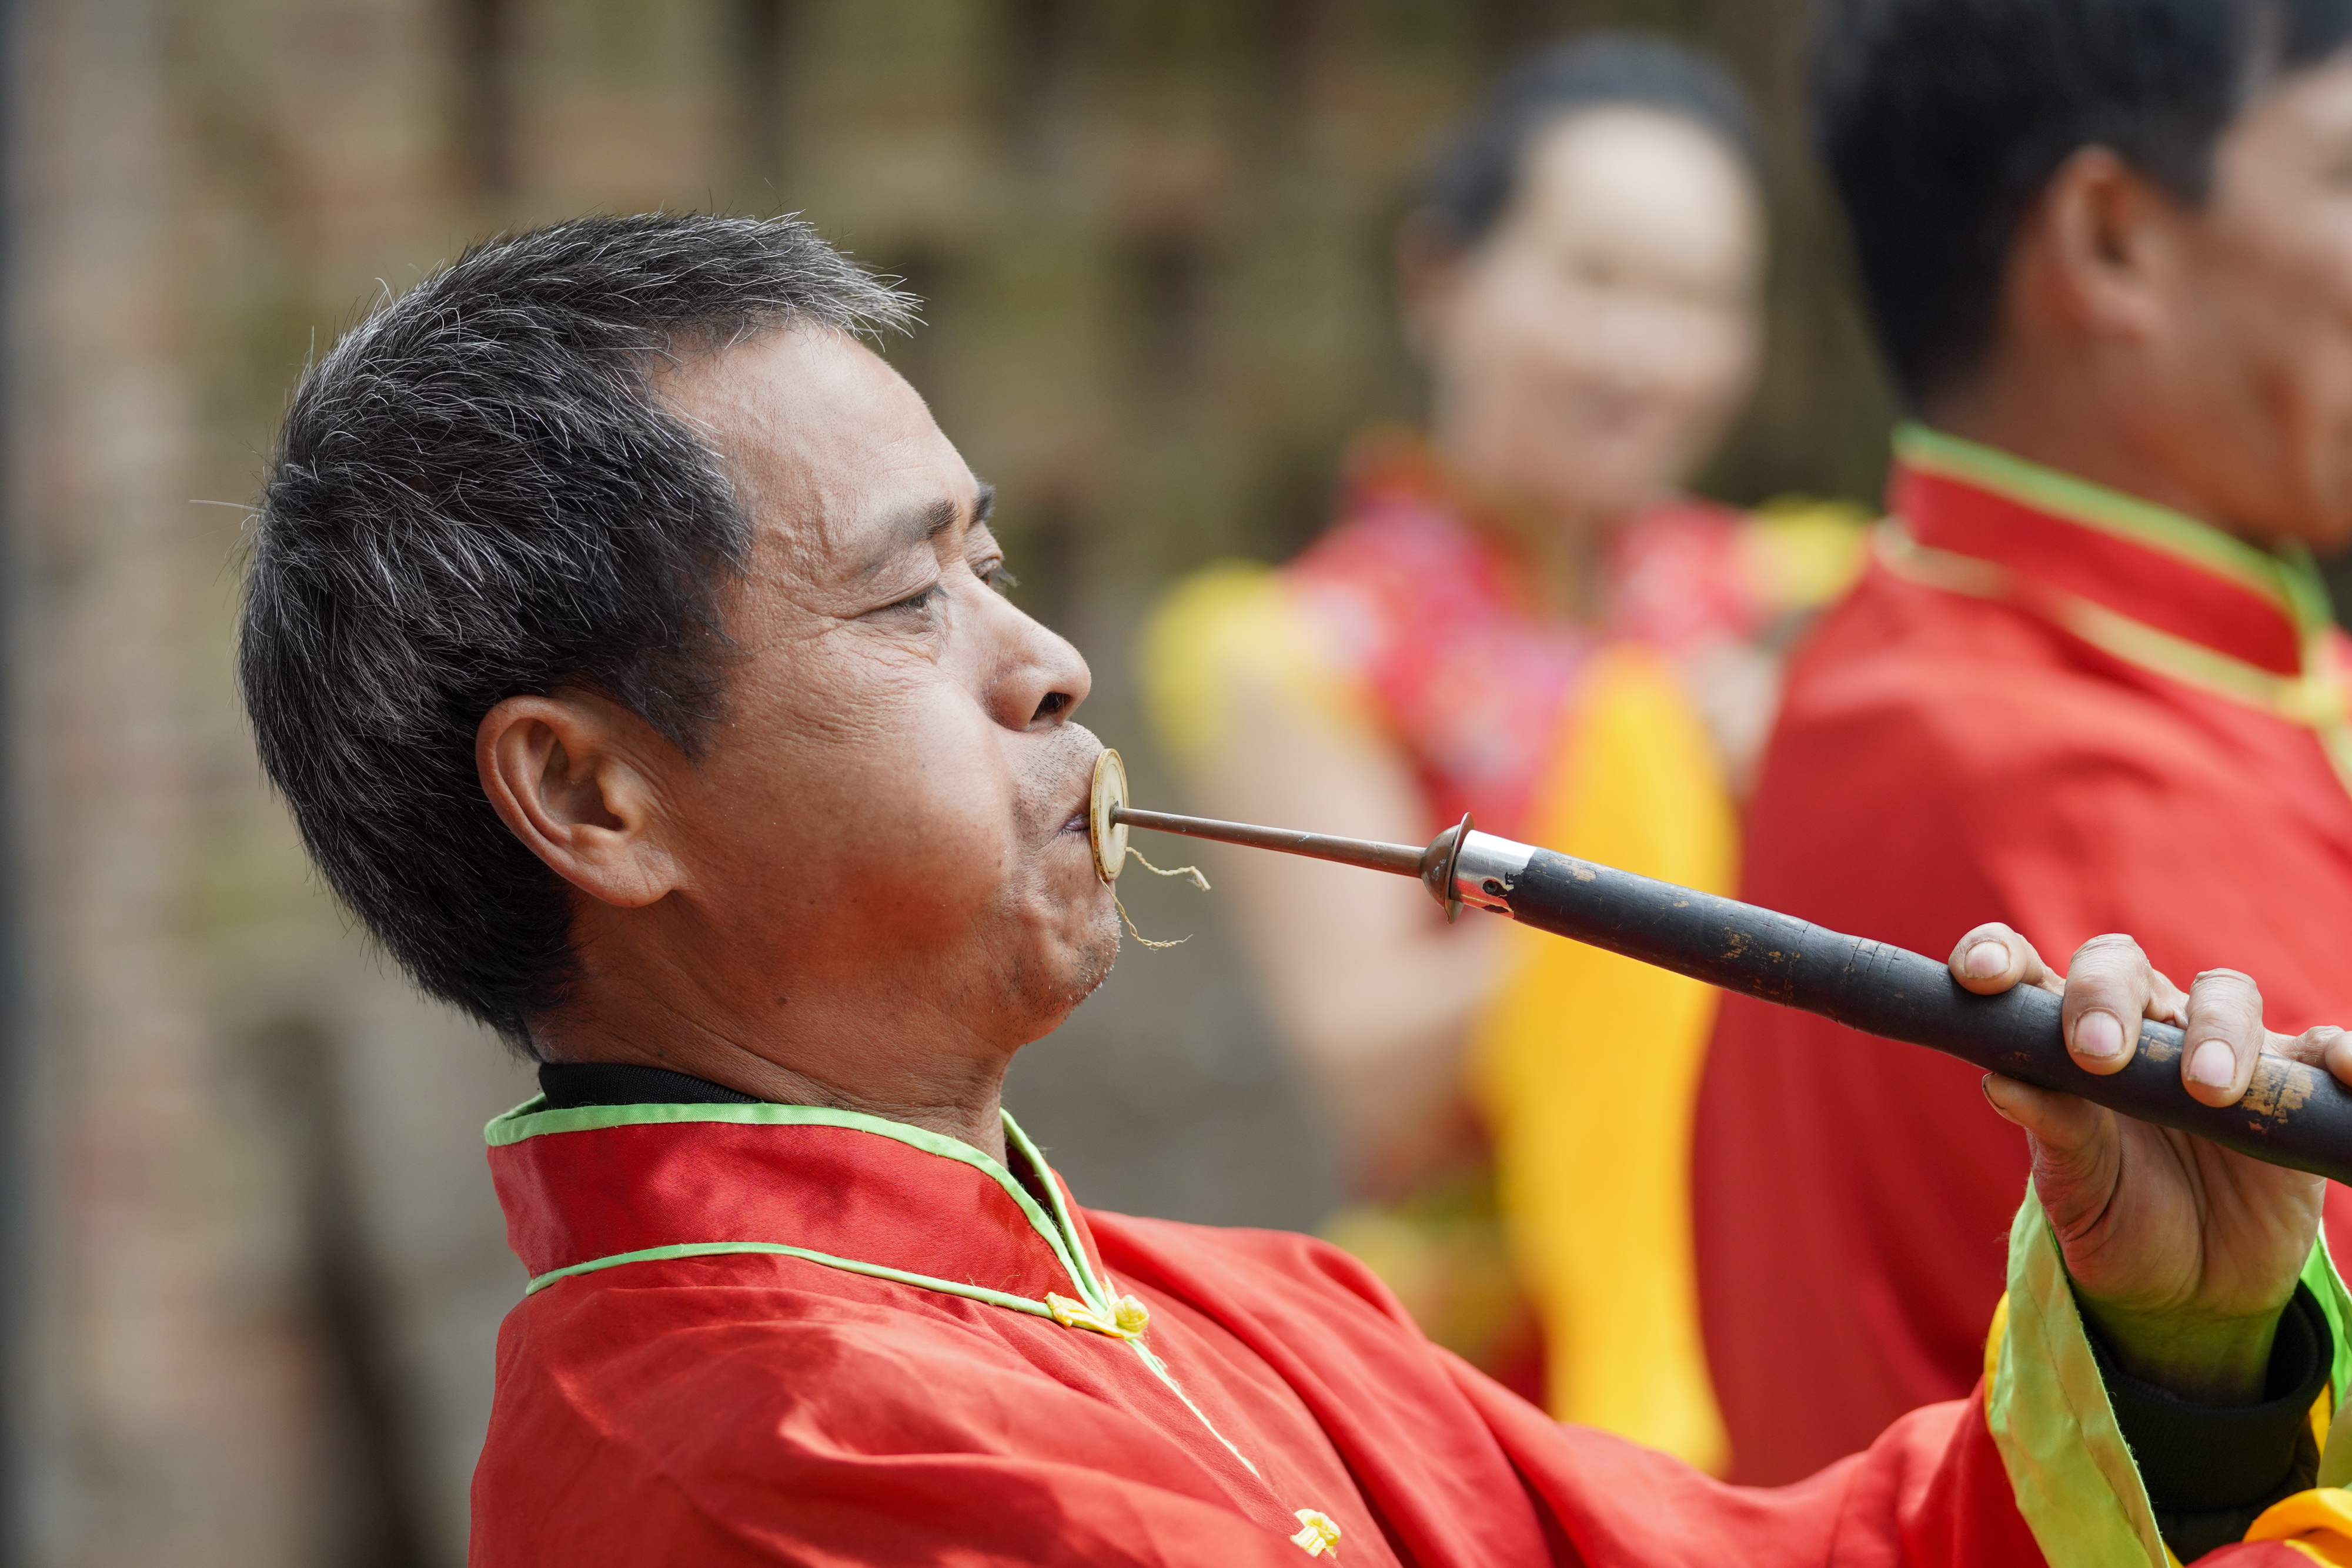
<point x="903" y="847"/>
<point x="1076" y="904"/>
<point x="1077" y="940"/>
<point x="948" y="858"/>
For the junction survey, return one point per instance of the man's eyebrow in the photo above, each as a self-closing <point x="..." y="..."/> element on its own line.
<point x="918" y="525"/>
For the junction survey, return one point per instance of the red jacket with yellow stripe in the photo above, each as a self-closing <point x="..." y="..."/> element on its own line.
<point x="2048" y="704"/>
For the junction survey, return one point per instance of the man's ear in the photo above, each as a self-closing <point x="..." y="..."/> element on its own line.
<point x="2102" y="247"/>
<point x="572" y="777"/>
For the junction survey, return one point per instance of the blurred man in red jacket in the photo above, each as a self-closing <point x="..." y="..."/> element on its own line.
<point x="2107" y="248"/>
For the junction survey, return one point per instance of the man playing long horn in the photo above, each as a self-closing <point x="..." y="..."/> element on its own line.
<point x="622" y="633"/>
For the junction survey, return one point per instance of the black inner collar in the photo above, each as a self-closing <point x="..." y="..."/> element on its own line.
<point x="571" y="1084"/>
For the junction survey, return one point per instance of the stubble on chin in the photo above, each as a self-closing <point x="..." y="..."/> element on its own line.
<point x="1050" y="978"/>
<point x="1093" y="960"/>
<point x="1041" y="984"/>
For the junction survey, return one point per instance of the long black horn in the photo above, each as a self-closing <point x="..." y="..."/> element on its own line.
<point x="2292" y="1116"/>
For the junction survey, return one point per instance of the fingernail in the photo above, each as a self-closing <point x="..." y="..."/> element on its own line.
<point x="1986" y="960"/>
<point x="2098" y="1036"/>
<point x="2212" y="1065"/>
<point x="1994" y="1101"/>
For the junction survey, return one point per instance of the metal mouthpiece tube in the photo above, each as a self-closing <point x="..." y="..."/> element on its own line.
<point x="1403" y="859"/>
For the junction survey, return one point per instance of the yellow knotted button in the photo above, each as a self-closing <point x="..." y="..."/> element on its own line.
<point x="2316" y="700"/>
<point x="1073" y="1315"/>
<point x="1132" y="1315"/>
<point x="1318" y="1535"/>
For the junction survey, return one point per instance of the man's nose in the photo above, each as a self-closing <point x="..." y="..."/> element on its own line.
<point x="1041" y="678"/>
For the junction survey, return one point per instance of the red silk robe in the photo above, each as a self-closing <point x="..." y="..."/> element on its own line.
<point x="2046" y="704"/>
<point x="766" y="1333"/>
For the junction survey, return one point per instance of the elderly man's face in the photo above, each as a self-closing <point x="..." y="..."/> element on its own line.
<point x="893" y="807"/>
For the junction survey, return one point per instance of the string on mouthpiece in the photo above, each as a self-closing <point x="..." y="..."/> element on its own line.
<point x="1193" y="872"/>
<point x="1108" y="838"/>
<point x="1138" y="936"/>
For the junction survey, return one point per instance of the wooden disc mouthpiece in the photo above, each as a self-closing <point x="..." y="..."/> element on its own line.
<point x="1105" y="831"/>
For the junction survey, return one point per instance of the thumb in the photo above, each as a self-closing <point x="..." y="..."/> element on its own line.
<point x="2077" y="1152"/>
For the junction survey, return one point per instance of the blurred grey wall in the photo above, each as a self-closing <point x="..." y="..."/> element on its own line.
<point x="259" y="1267"/>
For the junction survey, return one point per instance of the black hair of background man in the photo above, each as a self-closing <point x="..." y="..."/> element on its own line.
<point x="1940" y="120"/>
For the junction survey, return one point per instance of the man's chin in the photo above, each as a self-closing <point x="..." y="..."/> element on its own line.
<point x="1092" y="958"/>
<point x="1064" y="970"/>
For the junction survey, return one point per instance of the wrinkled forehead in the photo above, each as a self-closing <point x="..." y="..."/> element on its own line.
<point x="835" y="458"/>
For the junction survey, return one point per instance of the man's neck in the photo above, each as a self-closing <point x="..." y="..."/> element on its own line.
<point x="843" y="1062"/>
<point x="2048" y="419"/>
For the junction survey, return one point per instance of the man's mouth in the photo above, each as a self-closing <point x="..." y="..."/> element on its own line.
<point x="1082" y="784"/>
<point x="1077" y="822"/>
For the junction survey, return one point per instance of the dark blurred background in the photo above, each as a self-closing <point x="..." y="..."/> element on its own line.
<point x="257" y="1268"/>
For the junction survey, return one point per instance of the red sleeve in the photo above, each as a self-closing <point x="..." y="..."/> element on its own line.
<point x="1930" y="1492"/>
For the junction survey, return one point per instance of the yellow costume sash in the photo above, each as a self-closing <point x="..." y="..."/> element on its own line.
<point x="1583" y="1065"/>
<point x="1586" y="1064"/>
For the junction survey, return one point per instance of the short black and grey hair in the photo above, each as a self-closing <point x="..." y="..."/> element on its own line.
<point x="1477" y="172"/>
<point x="1942" y="121"/>
<point x="476" y="494"/>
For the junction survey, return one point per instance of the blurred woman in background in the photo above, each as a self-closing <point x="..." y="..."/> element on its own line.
<point x="1519" y="616"/>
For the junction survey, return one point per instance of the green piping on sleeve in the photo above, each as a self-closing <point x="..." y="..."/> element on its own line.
<point x="2327" y="1288"/>
<point x="2095" y="505"/>
<point x="529" y="1120"/>
<point x="778" y="1248"/>
<point x="2072" y="1477"/>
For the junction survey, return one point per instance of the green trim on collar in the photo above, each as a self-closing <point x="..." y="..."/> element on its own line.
<point x="2315" y="698"/>
<point x="1097" y="1292"/>
<point x="1060" y="1232"/>
<point x="526" y="1121"/>
<point x="2307" y="592"/>
<point x="778" y="1248"/>
<point x="2274" y="576"/>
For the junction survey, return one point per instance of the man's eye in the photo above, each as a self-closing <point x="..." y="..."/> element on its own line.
<point x="995" y="574"/>
<point x="920" y="599"/>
